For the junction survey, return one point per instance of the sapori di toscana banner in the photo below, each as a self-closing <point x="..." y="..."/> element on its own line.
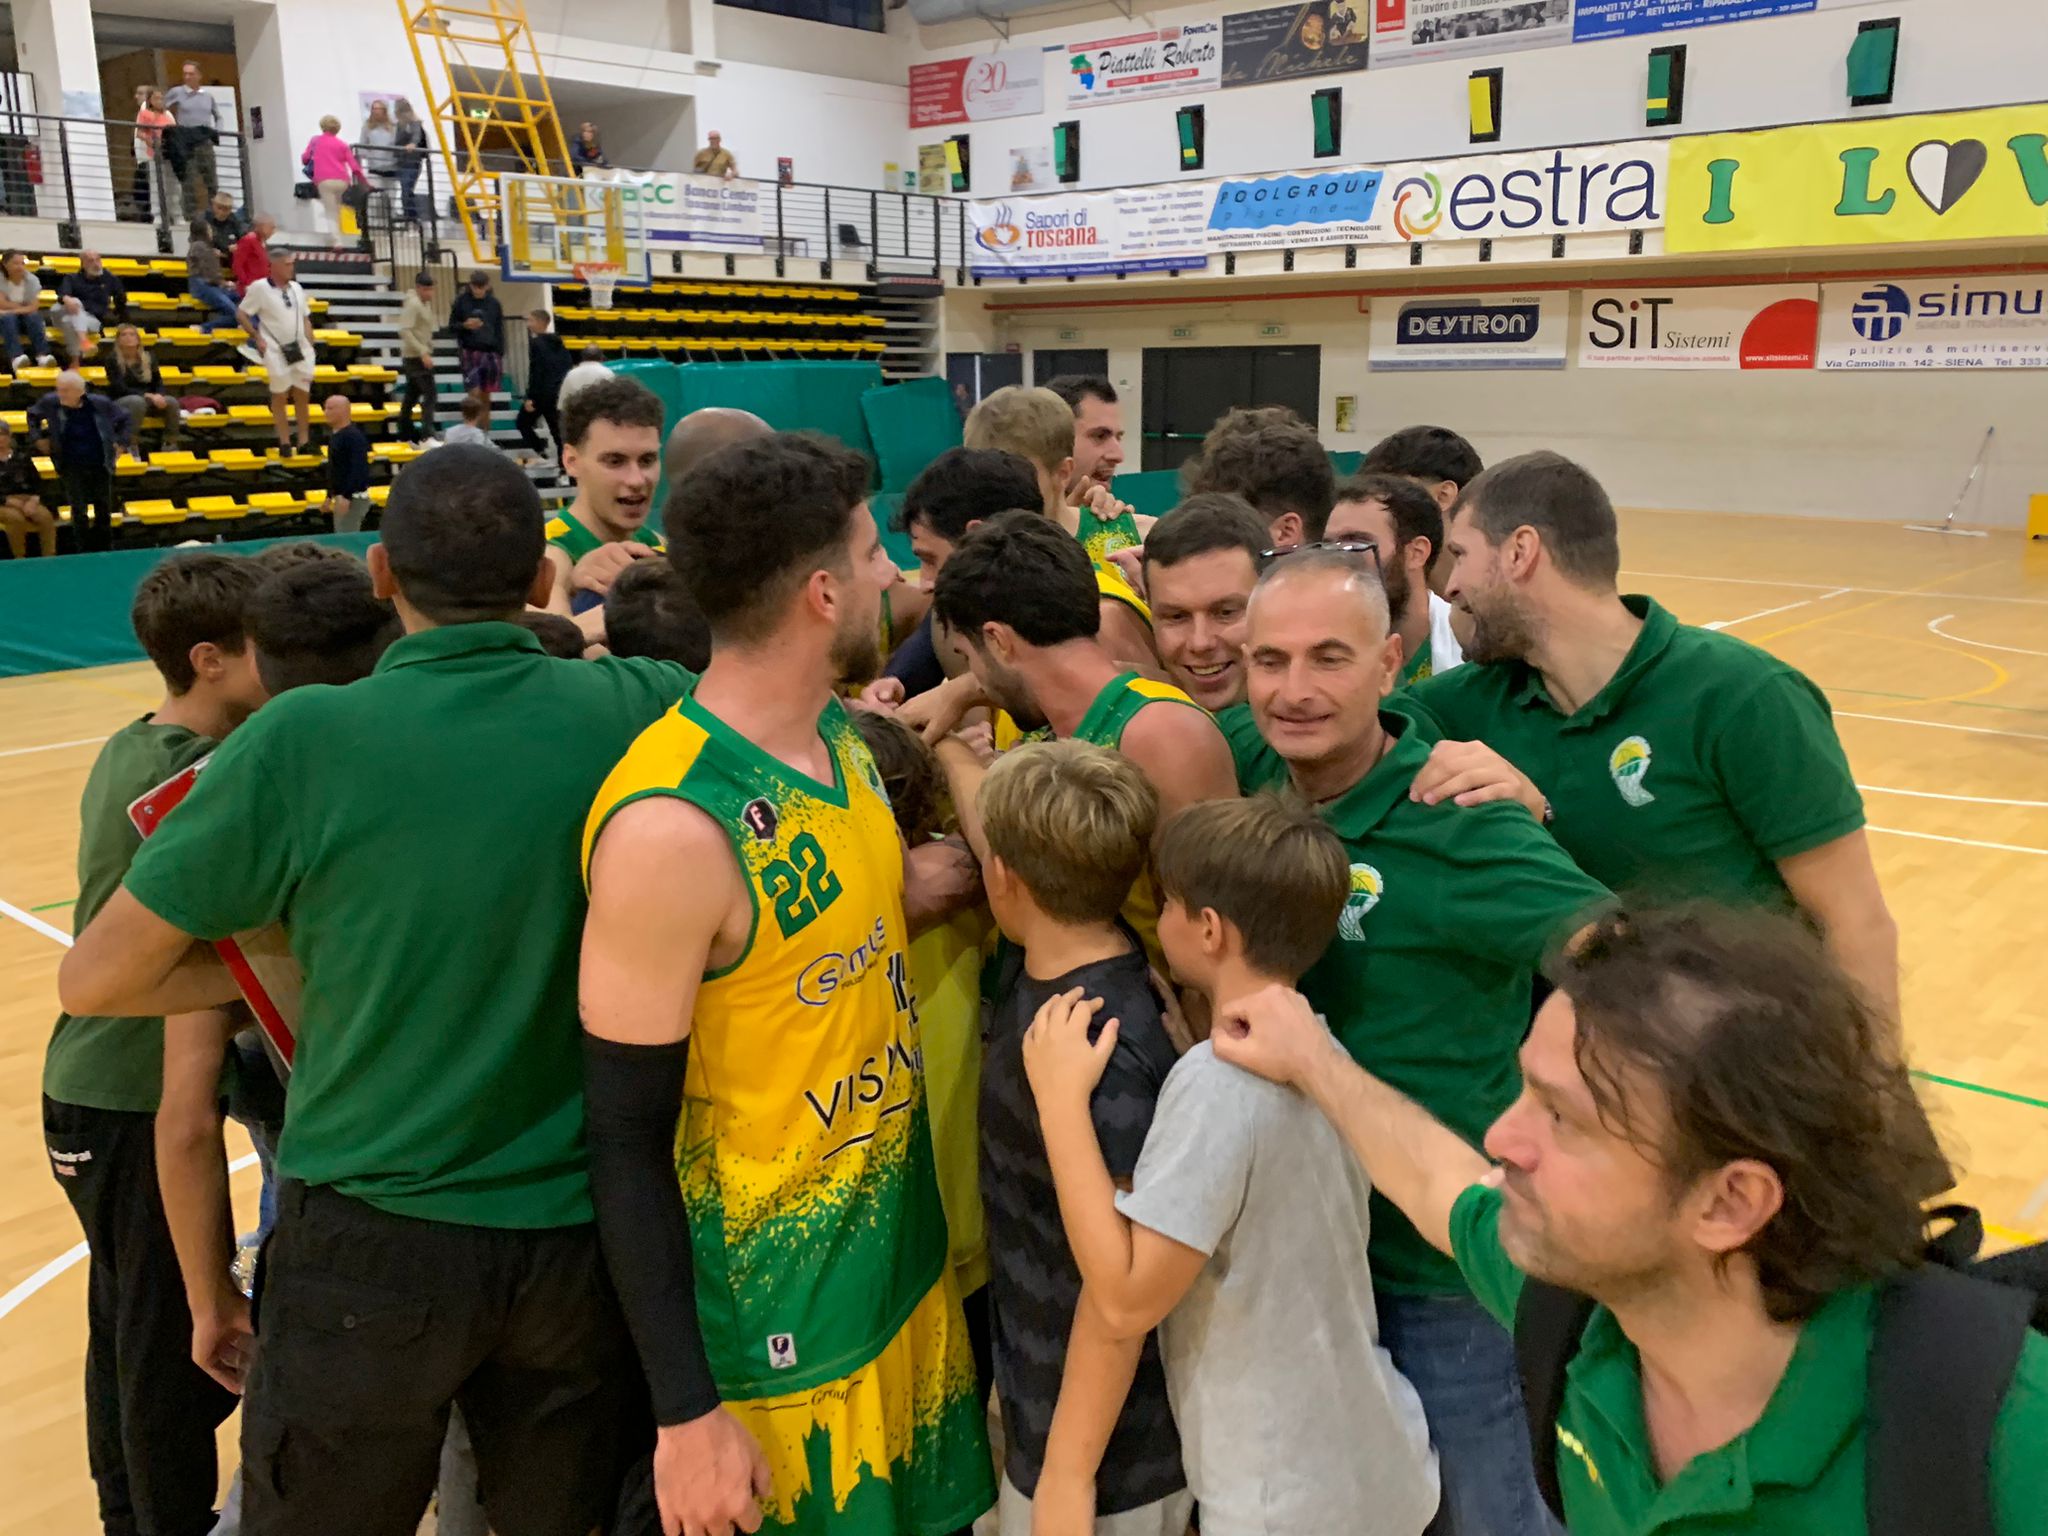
<point x="1935" y="177"/>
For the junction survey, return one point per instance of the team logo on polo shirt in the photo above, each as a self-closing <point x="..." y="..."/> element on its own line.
<point x="1366" y="887"/>
<point x="1628" y="765"/>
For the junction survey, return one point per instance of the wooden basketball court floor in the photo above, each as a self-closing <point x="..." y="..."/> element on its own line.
<point x="1934" y="652"/>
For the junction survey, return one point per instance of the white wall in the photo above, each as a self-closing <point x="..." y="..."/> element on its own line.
<point x="1876" y="446"/>
<point x="1953" y="53"/>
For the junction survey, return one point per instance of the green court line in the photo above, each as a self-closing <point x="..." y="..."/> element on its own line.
<point x="1989" y="1093"/>
<point x="51" y="906"/>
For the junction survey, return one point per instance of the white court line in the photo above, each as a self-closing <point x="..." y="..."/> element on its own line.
<point x="1823" y="586"/>
<point x="1929" y="794"/>
<point x="1962" y="842"/>
<point x="1942" y="725"/>
<point x="1983" y="645"/>
<point x="2036" y="1202"/>
<point x="30" y="920"/>
<point x="72" y="1256"/>
<point x="52" y="746"/>
<point x="1765" y="613"/>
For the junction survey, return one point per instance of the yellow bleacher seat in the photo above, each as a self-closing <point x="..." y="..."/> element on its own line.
<point x="54" y="263"/>
<point x="177" y="461"/>
<point x="142" y="298"/>
<point x="168" y="266"/>
<point x="238" y="461"/>
<point x="337" y="338"/>
<point x="216" y="509"/>
<point x="129" y="467"/>
<point x="372" y="373"/>
<point x="17" y="421"/>
<point x="218" y="373"/>
<point x="41" y="378"/>
<point x="46" y="467"/>
<point x="207" y="421"/>
<point x="155" y="512"/>
<point x="277" y="503"/>
<point x="395" y="453"/>
<point x="379" y="495"/>
<point x="299" y="461"/>
<point x="125" y="266"/>
<point x="247" y="413"/>
<point x="362" y="412"/>
<point x="173" y="376"/>
<point x="327" y="373"/>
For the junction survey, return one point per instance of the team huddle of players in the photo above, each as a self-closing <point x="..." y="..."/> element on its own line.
<point x="944" y="952"/>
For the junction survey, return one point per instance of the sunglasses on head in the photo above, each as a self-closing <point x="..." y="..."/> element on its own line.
<point x="1339" y="546"/>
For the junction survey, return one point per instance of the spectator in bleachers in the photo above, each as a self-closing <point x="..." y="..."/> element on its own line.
<point x="21" y="311"/>
<point x="586" y="152"/>
<point x="714" y="159"/>
<point x="78" y="331"/>
<point x="332" y="167"/>
<point x="188" y="146"/>
<point x="411" y="142"/>
<point x="416" y="328"/>
<point x="590" y="368"/>
<point x="280" y="325"/>
<point x="97" y="290"/>
<point x="137" y="386"/>
<point x="476" y="423"/>
<point x="478" y="321"/>
<point x="252" y="253"/>
<point x="378" y="135"/>
<point x="348" y="466"/>
<point x="547" y="365"/>
<point x="225" y="223"/>
<point x="150" y="122"/>
<point x="202" y="278"/>
<point x="21" y="501"/>
<point x="82" y="434"/>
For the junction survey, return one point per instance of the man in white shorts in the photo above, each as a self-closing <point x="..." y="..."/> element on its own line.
<point x="279" y="321"/>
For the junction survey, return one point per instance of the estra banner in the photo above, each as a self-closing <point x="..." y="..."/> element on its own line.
<point x="1775" y="326"/>
<point x="1010" y="83"/>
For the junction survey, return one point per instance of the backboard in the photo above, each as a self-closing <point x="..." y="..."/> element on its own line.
<point x="550" y="224"/>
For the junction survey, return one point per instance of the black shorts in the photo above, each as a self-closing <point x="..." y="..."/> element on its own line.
<point x="370" y="1325"/>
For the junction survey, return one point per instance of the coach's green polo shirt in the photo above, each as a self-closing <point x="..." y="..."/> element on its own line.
<point x="1452" y="912"/>
<point x="1701" y="764"/>
<point x="1798" y="1471"/>
<point x="417" y="833"/>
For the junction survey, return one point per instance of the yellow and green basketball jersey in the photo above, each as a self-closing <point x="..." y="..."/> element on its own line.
<point x="1111" y="582"/>
<point x="804" y="1150"/>
<point x="1105" y="723"/>
<point x="574" y="540"/>
<point x="1104" y="536"/>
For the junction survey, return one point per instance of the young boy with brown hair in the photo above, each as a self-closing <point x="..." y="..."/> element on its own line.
<point x="150" y="1413"/>
<point x="1068" y="828"/>
<point x="1241" y="1236"/>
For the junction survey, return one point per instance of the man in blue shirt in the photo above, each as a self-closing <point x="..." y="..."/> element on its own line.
<point x="83" y="434"/>
<point x="348" y="466"/>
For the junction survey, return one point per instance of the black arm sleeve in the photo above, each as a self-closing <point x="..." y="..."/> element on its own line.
<point x="634" y="1095"/>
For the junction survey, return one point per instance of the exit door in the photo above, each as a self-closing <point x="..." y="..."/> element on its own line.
<point x="1187" y="388"/>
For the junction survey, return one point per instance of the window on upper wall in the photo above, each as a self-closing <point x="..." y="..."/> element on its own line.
<point x="866" y="15"/>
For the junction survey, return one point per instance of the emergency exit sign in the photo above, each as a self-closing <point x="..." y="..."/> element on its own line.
<point x="1273" y="329"/>
<point x="1183" y="333"/>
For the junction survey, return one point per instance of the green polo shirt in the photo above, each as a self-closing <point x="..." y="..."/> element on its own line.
<point x="115" y="1063"/>
<point x="1798" y="1471"/>
<point x="1701" y="764"/>
<point x="1453" y="910"/>
<point x="417" y="832"/>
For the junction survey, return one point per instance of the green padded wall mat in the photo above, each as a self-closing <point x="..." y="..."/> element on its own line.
<point x="72" y="610"/>
<point x="912" y="423"/>
<point x="1153" y="492"/>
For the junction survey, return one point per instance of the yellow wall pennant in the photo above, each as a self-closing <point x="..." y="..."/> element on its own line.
<point x="1934" y="177"/>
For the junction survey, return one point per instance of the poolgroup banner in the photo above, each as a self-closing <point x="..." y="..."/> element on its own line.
<point x="1167" y="62"/>
<point x="1526" y="331"/>
<point x="1006" y="84"/>
<point x="1986" y="322"/>
<point x="1700" y="328"/>
<point x="1288" y="42"/>
<point x="1597" y="189"/>
<point x="1411" y="31"/>
<point x="1090" y="234"/>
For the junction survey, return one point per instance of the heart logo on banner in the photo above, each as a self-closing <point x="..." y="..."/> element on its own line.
<point x="1941" y="173"/>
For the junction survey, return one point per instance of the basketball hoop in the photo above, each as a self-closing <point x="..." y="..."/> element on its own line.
<point x="602" y="278"/>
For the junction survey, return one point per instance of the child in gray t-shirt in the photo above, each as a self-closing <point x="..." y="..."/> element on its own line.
<point x="1243" y="1236"/>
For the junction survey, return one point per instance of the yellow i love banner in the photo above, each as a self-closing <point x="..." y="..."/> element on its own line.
<point x="1933" y="177"/>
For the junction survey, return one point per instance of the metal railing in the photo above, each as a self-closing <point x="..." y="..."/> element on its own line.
<point x="73" y="169"/>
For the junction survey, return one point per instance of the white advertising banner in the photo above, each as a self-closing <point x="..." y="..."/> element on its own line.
<point x="681" y="209"/>
<point x="1082" y="234"/>
<point x="1514" y="331"/>
<point x="1010" y="83"/>
<point x="1772" y="326"/>
<point x="1410" y="31"/>
<point x="1167" y="62"/>
<point x="1983" y="322"/>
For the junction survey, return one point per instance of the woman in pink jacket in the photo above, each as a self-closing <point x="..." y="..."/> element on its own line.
<point x="331" y="166"/>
